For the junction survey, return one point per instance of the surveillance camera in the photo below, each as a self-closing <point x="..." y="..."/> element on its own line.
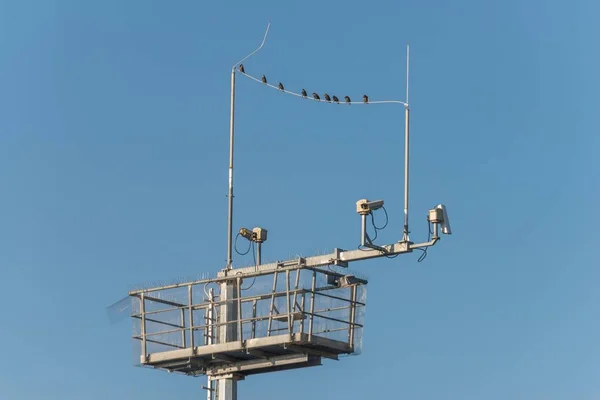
<point x="342" y="281"/>
<point x="364" y="206"/>
<point x="246" y="233"/>
<point x="260" y="234"/>
<point x="439" y="215"/>
<point x="446" y="223"/>
<point x="257" y="234"/>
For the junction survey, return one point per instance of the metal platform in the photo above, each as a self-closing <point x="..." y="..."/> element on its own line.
<point x="291" y="316"/>
<point x="253" y="356"/>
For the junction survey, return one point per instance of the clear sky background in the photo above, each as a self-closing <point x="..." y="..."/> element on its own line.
<point x="114" y="122"/>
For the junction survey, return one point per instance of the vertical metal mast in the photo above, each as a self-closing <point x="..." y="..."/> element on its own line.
<point x="230" y="193"/>
<point x="227" y="386"/>
<point x="406" y="144"/>
<point x="231" y="142"/>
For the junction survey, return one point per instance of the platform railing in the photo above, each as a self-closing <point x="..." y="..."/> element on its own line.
<point x="171" y="323"/>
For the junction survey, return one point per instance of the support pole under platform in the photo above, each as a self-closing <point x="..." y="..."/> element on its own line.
<point x="228" y="332"/>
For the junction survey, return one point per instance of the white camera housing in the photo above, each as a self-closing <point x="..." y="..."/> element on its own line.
<point x="260" y="234"/>
<point x="364" y="206"/>
<point x="439" y="215"/>
<point x="246" y="233"/>
<point x="257" y="234"/>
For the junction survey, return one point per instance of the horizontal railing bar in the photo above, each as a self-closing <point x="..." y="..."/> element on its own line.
<point x="162" y="301"/>
<point x="331" y="330"/>
<point x="249" y="320"/>
<point x="334" y="309"/>
<point x="318" y="292"/>
<point x="159" y="342"/>
<point x="283" y="329"/>
<point x="338" y="298"/>
<point x="167" y="332"/>
<point x="158" y="311"/>
<point x="160" y="322"/>
<point x="333" y="319"/>
<point x="314" y="263"/>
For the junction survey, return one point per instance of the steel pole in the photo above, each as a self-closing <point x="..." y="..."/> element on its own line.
<point x="406" y="147"/>
<point x="230" y="193"/>
<point x="258" y="253"/>
<point x="228" y="315"/>
<point x="231" y="137"/>
<point x="209" y="340"/>
<point x="363" y="230"/>
<point x="405" y="235"/>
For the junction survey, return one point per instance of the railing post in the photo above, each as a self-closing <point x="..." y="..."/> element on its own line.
<point x="143" y="328"/>
<point x="210" y="327"/>
<point x="302" y="312"/>
<point x="272" y="304"/>
<point x="352" y="316"/>
<point x="239" y="310"/>
<point x="289" y="314"/>
<point x="296" y="283"/>
<point x="312" y="305"/>
<point x="191" y="317"/>
<point x="253" y="319"/>
<point x="183" y="341"/>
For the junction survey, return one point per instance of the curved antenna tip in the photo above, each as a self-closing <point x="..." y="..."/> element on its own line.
<point x="255" y="51"/>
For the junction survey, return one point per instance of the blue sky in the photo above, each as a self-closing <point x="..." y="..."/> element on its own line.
<point x="113" y="159"/>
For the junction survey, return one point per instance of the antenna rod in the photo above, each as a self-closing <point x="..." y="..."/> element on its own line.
<point x="407" y="67"/>
<point x="230" y="193"/>
<point x="406" y="143"/>
<point x="231" y="141"/>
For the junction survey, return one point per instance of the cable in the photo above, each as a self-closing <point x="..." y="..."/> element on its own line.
<point x="386" y="220"/>
<point x="376" y="229"/>
<point x="363" y="248"/>
<point x="252" y="284"/>
<point x="367" y="233"/>
<point x="253" y="245"/>
<point x="324" y="101"/>
<point x="236" y="249"/>
<point x="424" y="255"/>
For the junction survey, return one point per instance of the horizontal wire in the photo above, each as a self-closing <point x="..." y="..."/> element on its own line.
<point x="324" y="101"/>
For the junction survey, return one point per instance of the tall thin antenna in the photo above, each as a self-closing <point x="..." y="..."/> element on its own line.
<point x="407" y="69"/>
<point x="231" y="142"/>
<point x="255" y="51"/>
<point x="405" y="233"/>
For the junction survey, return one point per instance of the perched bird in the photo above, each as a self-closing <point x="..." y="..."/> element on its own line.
<point x="316" y="96"/>
<point x="264" y="79"/>
<point x="303" y="93"/>
<point x="347" y="99"/>
<point x="336" y="99"/>
<point x="242" y="69"/>
<point x="326" y="96"/>
<point x="280" y="86"/>
<point x="365" y="98"/>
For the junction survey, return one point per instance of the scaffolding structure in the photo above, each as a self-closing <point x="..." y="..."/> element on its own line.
<point x="291" y="316"/>
<point x="267" y="317"/>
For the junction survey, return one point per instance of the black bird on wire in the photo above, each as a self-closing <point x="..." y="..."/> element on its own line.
<point x="365" y="98"/>
<point x="280" y="86"/>
<point x="326" y="96"/>
<point x="264" y="79"/>
<point x="316" y="96"/>
<point x="347" y="99"/>
<point x="303" y="93"/>
<point x="242" y="69"/>
<point x="336" y="99"/>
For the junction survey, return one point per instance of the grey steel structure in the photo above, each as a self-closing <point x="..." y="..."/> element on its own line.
<point x="266" y="317"/>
